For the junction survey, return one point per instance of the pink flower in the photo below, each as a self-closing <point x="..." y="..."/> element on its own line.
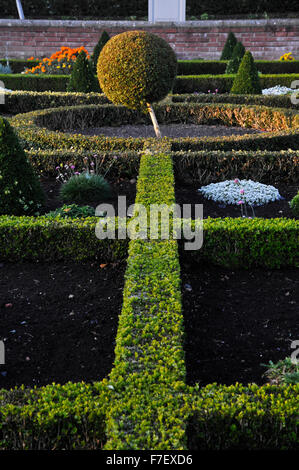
<point x="242" y="191"/>
<point x="72" y="167"/>
<point x="236" y="181"/>
<point x="240" y="202"/>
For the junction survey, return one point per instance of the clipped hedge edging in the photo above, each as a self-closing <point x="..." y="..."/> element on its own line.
<point x="74" y="417"/>
<point x="149" y="371"/>
<point x="189" y="67"/>
<point x="205" y="167"/>
<point x="19" y="102"/>
<point x="60" y="417"/>
<point x="182" y="84"/>
<point x="45" y="239"/>
<point x="239" y="417"/>
<point x="275" y="101"/>
<point x="260" y="117"/>
<point x="228" y="242"/>
<point x="218" y="67"/>
<point x="224" y="83"/>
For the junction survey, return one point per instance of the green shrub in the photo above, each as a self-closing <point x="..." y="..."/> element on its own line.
<point x="98" y="48"/>
<point x="136" y="68"/>
<point x="229" y="45"/>
<point x="235" y="61"/>
<point x="82" y="78"/>
<point x="20" y="189"/>
<point x="247" y="79"/>
<point x="294" y="204"/>
<point x="73" y="211"/>
<point x="85" y="188"/>
<point x="285" y="371"/>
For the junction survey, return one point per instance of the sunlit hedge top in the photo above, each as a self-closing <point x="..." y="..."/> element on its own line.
<point x="135" y="68"/>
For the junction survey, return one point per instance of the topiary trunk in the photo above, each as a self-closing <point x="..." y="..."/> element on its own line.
<point x="154" y="120"/>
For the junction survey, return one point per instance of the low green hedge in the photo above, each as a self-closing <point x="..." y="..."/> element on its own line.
<point x="202" y="167"/>
<point x="244" y="417"/>
<point x="224" y="83"/>
<point x="60" y="417"/>
<point x="274" y="101"/>
<point x="33" y="128"/>
<point x="246" y="243"/>
<point x="205" y="167"/>
<point x="20" y="81"/>
<point x="218" y="67"/>
<point x="190" y="67"/>
<point x="227" y="242"/>
<point x="74" y="417"/>
<point x="149" y="371"/>
<point x="183" y="83"/>
<point x="117" y="164"/>
<point x="44" y="239"/>
<point x="24" y="101"/>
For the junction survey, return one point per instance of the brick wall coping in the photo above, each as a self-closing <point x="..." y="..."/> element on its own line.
<point x="273" y="22"/>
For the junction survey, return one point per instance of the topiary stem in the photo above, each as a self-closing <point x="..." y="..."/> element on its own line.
<point x="154" y="120"/>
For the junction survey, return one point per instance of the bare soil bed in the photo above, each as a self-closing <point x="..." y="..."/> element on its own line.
<point x="123" y="187"/>
<point x="168" y="130"/>
<point x="58" y="321"/>
<point x="236" y="320"/>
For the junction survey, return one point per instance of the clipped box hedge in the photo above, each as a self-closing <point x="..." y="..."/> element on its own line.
<point x="240" y="417"/>
<point x="39" y="82"/>
<point x="189" y="67"/>
<point x="45" y="239"/>
<point x="217" y="67"/>
<point x="183" y="83"/>
<point x="274" y="101"/>
<point x="74" y="416"/>
<point x="205" y="167"/>
<point x="60" y="417"/>
<point x="35" y="128"/>
<point x="224" y="83"/>
<point x="19" y="102"/>
<point x="116" y="164"/>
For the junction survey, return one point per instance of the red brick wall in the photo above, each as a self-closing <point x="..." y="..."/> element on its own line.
<point x="266" y="39"/>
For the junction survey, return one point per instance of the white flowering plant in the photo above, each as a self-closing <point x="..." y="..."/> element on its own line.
<point x="241" y="193"/>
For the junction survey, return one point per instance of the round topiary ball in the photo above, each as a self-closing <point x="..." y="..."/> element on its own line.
<point x="136" y="68"/>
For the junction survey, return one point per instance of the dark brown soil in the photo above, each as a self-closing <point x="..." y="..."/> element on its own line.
<point x="121" y="188"/>
<point x="58" y="322"/>
<point x="186" y="194"/>
<point x="169" y="130"/>
<point x="236" y="320"/>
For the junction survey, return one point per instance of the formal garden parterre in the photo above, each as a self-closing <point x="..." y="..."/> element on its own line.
<point x="188" y="330"/>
